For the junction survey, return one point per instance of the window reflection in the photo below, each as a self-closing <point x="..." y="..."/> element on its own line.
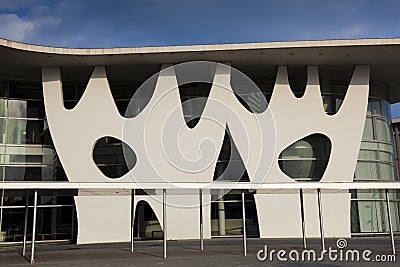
<point x="34" y="173"/>
<point x="24" y="131"/>
<point x="3" y="107"/>
<point x="25" y="109"/>
<point x="3" y="130"/>
<point x="307" y="158"/>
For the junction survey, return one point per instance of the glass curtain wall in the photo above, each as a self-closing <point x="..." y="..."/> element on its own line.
<point x="28" y="154"/>
<point x="375" y="163"/>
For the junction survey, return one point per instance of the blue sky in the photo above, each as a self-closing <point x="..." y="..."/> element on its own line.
<point x="100" y="23"/>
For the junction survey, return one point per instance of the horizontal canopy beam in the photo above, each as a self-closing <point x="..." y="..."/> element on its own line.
<point x="214" y="185"/>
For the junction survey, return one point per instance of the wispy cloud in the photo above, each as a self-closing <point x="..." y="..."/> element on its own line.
<point x="97" y="23"/>
<point x="13" y="27"/>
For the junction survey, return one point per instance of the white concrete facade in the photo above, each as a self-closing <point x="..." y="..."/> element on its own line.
<point x="101" y="219"/>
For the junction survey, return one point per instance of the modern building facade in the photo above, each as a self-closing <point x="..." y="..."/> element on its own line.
<point x="286" y="112"/>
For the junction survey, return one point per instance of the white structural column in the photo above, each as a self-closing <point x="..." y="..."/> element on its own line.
<point x="321" y="219"/>
<point x="164" y="204"/>
<point x="390" y="221"/>
<point x="244" y="224"/>
<point x="221" y="216"/>
<point x="303" y="223"/>
<point x="34" y="227"/>
<point x="132" y="217"/>
<point x="201" y="220"/>
<point x="25" y="223"/>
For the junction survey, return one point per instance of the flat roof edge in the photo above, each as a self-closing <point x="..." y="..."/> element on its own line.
<point x="198" y="48"/>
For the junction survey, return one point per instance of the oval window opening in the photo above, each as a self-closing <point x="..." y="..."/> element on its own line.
<point x="307" y="158"/>
<point x="113" y="157"/>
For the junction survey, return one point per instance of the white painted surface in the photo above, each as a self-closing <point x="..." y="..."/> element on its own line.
<point x="96" y="116"/>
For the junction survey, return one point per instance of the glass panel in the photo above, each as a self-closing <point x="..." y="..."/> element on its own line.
<point x="23" y="174"/>
<point x="386" y="147"/>
<point x="24" y="131"/>
<point x="368" y="130"/>
<point x="25" y="109"/>
<point x="226" y="216"/>
<point x="69" y="91"/>
<point x="386" y="171"/>
<point x="24" y="159"/>
<point x="3" y="108"/>
<point x="386" y="109"/>
<point x="3" y="130"/>
<point x="300" y="149"/>
<point x="372" y="216"/>
<point x="26" y="90"/>
<point x="3" y="87"/>
<point x="369" y="145"/>
<point x="35" y="173"/>
<point x="113" y="157"/>
<point x="382" y="130"/>
<point x="328" y="105"/>
<point x="367" y="154"/>
<point x="338" y="103"/>
<point x="304" y="169"/>
<point x="52" y="224"/>
<point x="370" y="194"/>
<point x="307" y="158"/>
<point x="24" y="150"/>
<point x="12" y="227"/>
<point x="385" y="156"/>
<point x="366" y="170"/>
<point x="122" y="91"/>
<point x="376" y="107"/>
<point x="394" y="214"/>
<point x="369" y="109"/>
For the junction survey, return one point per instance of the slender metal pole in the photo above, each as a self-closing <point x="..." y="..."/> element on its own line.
<point x="321" y="219"/>
<point x="25" y="223"/>
<point x="132" y="217"/>
<point x="34" y="227"/>
<point x="303" y="223"/>
<point x="244" y="226"/>
<point x="201" y="220"/>
<point x="165" y="222"/>
<point x="390" y="221"/>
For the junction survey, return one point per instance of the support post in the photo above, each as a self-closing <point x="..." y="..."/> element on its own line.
<point x="201" y="220"/>
<point x="303" y="223"/>
<point x="34" y="227"/>
<point x="132" y="217"/>
<point x="390" y="222"/>
<point x="221" y="214"/>
<point x="244" y="225"/>
<point x="25" y="223"/>
<point x="72" y="222"/>
<point x="321" y="219"/>
<point x="164" y="215"/>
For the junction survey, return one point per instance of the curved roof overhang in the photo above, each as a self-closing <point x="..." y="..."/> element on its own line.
<point x="19" y="60"/>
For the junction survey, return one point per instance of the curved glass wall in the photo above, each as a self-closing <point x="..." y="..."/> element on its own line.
<point x="375" y="163"/>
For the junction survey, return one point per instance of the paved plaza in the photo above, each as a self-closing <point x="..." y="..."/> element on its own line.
<point x="218" y="252"/>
